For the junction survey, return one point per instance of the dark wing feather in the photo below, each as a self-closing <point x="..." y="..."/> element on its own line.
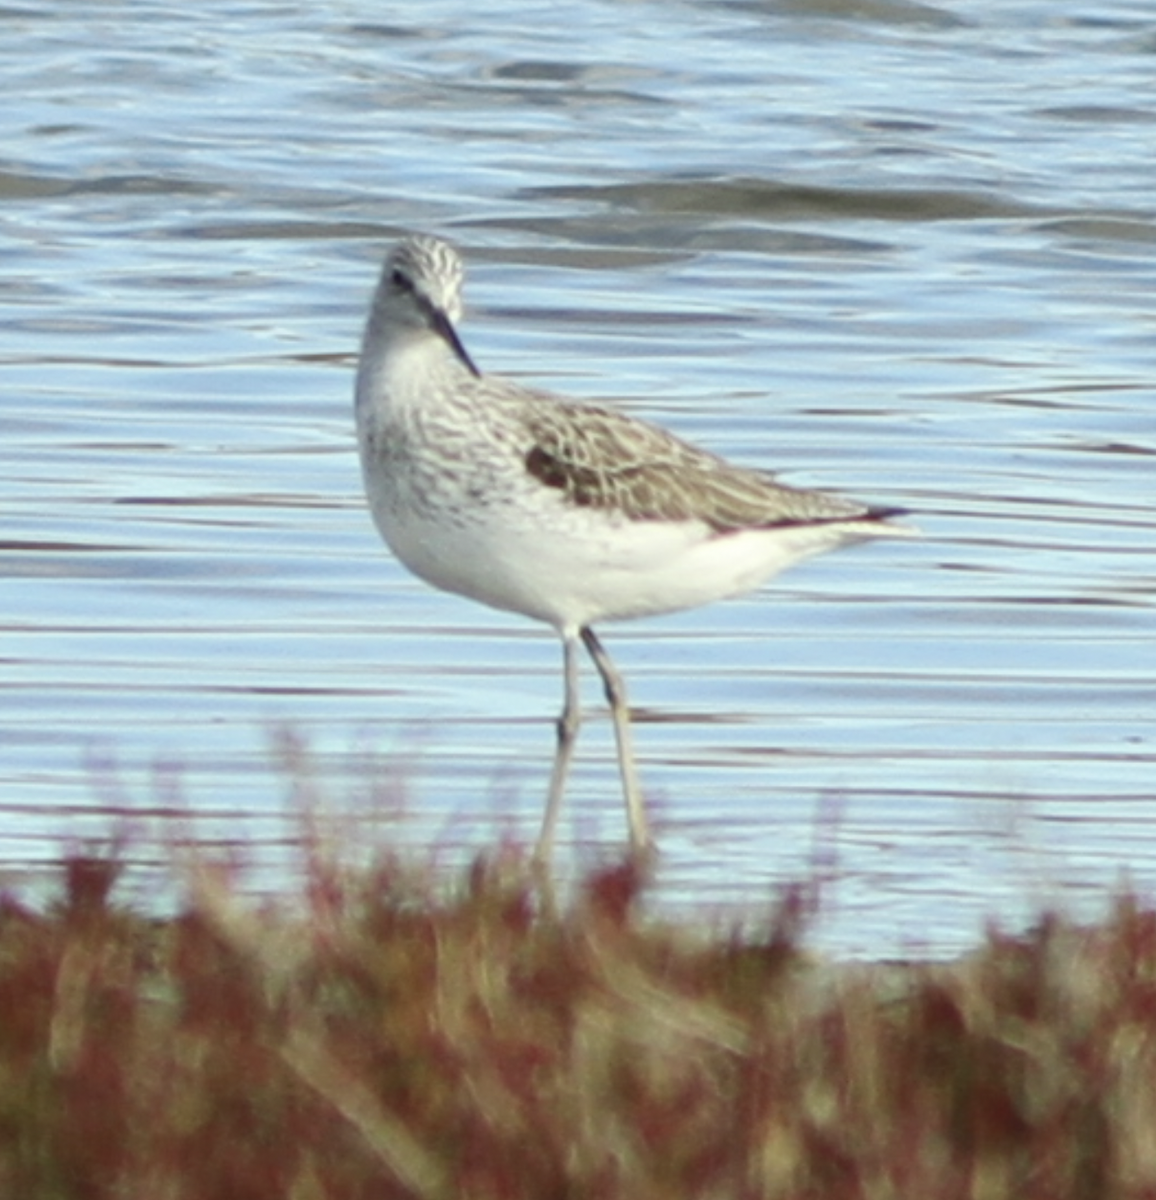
<point x="602" y="459"/>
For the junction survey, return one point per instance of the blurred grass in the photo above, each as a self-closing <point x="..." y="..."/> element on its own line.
<point x="382" y="1036"/>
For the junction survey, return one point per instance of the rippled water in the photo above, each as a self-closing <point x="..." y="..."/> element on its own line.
<point x="899" y="249"/>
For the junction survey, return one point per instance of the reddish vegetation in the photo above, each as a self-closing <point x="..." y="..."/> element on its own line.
<point x="384" y="1040"/>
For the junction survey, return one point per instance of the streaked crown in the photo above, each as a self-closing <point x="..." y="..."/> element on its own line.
<point x="427" y="270"/>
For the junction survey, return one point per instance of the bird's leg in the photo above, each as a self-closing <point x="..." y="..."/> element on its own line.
<point x="568" y="725"/>
<point x="640" y="841"/>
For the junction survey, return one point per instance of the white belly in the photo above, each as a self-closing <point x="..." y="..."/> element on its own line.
<point x="573" y="567"/>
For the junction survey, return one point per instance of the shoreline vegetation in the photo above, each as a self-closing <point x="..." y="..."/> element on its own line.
<point x="383" y="1035"/>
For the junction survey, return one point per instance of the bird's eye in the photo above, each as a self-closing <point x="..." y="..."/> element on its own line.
<point x="400" y="280"/>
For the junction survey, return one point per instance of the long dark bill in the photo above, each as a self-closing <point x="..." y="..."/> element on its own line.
<point x="444" y="327"/>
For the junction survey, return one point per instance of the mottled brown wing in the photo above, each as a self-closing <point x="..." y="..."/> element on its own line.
<point x="602" y="459"/>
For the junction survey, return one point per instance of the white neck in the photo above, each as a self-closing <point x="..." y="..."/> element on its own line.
<point x="404" y="370"/>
